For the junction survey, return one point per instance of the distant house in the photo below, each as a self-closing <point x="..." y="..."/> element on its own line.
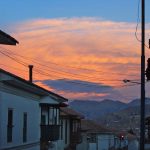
<point x="147" y="132"/>
<point x="121" y="140"/>
<point x="126" y="140"/>
<point x="29" y="115"/>
<point x="133" y="142"/>
<point x="7" y="39"/>
<point x="70" y="128"/>
<point x="96" y="137"/>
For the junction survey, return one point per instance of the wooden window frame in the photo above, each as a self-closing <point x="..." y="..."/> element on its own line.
<point x="25" y="124"/>
<point x="10" y="125"/>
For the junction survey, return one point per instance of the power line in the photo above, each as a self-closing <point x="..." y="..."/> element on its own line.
<point x="138" y="20"/>
<point x="56" y="72"/>
<point x="40" y="71"/>
<point x="36" y="70"/>
<point x="60" y="65"/>
<point x="22" y="63"/>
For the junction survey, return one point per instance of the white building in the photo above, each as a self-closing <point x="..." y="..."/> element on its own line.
<point x="70" y="128"/>
<point x="121" y="140"/>
<point x="29" y="115"/>
<point x="95" y="137"/>
<point x="133" y="142"/>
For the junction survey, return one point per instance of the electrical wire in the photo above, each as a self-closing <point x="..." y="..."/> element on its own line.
<point x="36" y="70"/>
<point x="138" y="20"/>
<point x="60" y="65"/>
<point x="22" y="63"/>
<point x="25" y="64"/>
<point x="49" y="75"/>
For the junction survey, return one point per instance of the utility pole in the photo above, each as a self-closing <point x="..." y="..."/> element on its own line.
<point x="142" y="121"/>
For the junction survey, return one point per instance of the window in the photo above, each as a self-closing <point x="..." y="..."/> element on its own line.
<point x="49" y="115"/>
<point x="66" y="132"/>
<point x="75" y="125"/>
<point x="43" y="119"/>
<point x="61" y="129"/>
<point x="25" y="127"/>
<point x="53" y="116"/>
<point x="92" y="138"/>
<point x="10" y="125"/>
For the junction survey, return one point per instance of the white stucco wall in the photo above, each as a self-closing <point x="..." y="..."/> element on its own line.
<point x="121" y="143"/>
<point x="20" y="105"/>
<point x="68" y="132"/>
<point x="105" y="141"/>
<point x="133" y="145"/>
<point x="112" y="140"/>
<point x="92" y="146"/>
<point x="60" y="145"/>
<point x="21" y="101"/>
<point x="84" y="144"/>
<point x="48" y="99"/>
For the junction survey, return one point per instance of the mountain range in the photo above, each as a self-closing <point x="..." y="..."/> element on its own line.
<point x="111" y="113"/>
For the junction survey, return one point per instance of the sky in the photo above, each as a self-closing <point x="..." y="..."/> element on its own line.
<point x="81" y="49"/>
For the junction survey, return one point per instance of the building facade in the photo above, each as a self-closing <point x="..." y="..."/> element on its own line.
<point x="96" y="137"/>
<point x="29" y="114"/>
<point x="70" y="128"/>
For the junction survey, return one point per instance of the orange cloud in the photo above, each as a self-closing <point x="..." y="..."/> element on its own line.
<point x="105" y="49"/>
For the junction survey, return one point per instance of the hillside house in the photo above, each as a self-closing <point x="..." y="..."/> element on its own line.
<point x="121" y="140"/>
<point x="126" y="140"/>
<point x="147" y="125"/>
<point x="133" y="142"/>
<point x="70" y="128"/>
<point x="29" y="115"/>
<point x="147" y="132"/>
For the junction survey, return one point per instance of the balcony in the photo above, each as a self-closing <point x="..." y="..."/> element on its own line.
<point x="50" y="132"/>
<point x="76" y="138"/>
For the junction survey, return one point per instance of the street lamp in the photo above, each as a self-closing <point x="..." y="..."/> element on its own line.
<point x="130" y="81"/>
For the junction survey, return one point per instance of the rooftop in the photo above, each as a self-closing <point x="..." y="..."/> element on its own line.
<point x="66" y="111"/>
<point x="30" y="85"/>
<point x="92" y="127"/>
<point x="7" y="39"/>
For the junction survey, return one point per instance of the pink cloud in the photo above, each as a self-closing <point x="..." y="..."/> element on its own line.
<point x="108" y="47"/>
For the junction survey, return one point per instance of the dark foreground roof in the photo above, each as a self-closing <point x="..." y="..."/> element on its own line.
<point x="7" y="39"/>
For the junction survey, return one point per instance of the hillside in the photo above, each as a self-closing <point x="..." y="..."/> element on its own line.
<point x="94" y="109"/>
<point x="113" y="114"/>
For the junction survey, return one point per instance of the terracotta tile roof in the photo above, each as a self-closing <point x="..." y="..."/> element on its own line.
<point x="66" y="111"/>
<point x="92" y="127"/>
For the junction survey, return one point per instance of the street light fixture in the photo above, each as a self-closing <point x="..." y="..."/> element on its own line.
<point x="130" y="81"/>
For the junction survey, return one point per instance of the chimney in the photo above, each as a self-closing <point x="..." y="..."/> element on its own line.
<point x="30" y="73"/>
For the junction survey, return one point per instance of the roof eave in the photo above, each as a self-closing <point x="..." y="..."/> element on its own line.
<point x="7" y="39"/>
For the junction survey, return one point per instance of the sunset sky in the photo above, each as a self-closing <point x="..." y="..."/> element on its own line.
<point x="80" y="49"/>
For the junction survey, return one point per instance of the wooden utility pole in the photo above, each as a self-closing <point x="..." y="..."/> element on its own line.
<point x="142" y="121"/>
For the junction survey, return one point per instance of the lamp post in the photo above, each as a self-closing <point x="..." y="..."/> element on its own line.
<point x="142" y="113"/>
